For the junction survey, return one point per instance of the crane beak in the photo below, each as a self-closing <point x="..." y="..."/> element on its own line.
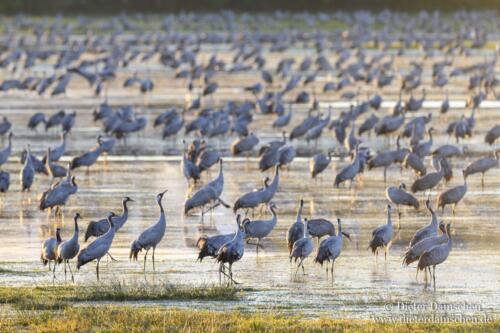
<point x="347" y="235"/>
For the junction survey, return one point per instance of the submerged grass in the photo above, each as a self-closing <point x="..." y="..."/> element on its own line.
<point x="60" y="297"/>
<point x="134" y="319"/>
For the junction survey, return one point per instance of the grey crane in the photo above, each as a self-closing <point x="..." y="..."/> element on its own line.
<point x="57" y="152"/>
<point x="189" y="169"/>
<point x="260" y="228"/>
<point x="49" y="247"/>
<point x="482" y="165"/>
<point x="423" y="149"/>
<point x="302" y="248"/>
<point x="58" y="194"/>
<point x="100" y="227"/>
<point x="209" y="246"/>
<point x="414" y="252"/>
<point x="35" y="120"/>
<point x="38" y="165"/>
<point x="5" y="153"/>
<point x="98" y="248"/>
<point x="350" y="171"/>
<point x="262" y="196"/>
<point x="86" y="159"/>
<point x="5" y="126"/>
<point x="55" y="119"/>
<point x="54" y="170"/>
<point x="399" y="196"/>
<point x="413" y="161"/>
<point x="296" y="230"/>
<point x="429" y="180"/>
<point x="319" y="163"/>
<point x="492" y="135"/>
<point x="452" y="196"/>
<point x="150" y="237"/>
<point x="320" y="227"/>
<point x="330" y="248"/>
<point x="231" y="252"/>
<point x="429" y="230"/>
<point x="27" y="172"/>
<point x="68" y="249"/>
<point x="245" y="144"/>
<point x="210" y="193"/>
<point x="382" y="236"/>
<point x="435" y="256"/>
<point x="383" y="159"/>
<point x="4" y="181"/>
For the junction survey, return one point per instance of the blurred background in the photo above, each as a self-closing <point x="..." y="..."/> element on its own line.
<point x="101" y="7"/>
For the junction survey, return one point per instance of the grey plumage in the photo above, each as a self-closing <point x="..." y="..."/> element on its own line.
<point x="49" y="248"/>
<point x="150" y="237"/>
<point x="262" y="196"/>
<point x="5" y="153"/>
<point x="435" y="256"/>
<point x="331" y="247"/>
<point x="296" y="230"/>
<point x="302" y="248"/>
<point x="382" y="236"/>
<point x="68" y="249"/>
<point x="100" y="227"/>
<point x="98" y="248"/>
<point x="4" y="181"/>
<point x="430" y="180"/>
<point x="414" y="252"/>
<point x="27" y="172"/>
<point x="58" y="194"/>
<point x="319" y="163"/>
<point x="452" y="196"/>
<point x="428" y="230"/>
<point x="261" y="228"/>
<point x="231" y="252"/>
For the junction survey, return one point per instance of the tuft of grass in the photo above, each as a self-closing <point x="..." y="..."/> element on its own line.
<point x="157" y="319"/>
<point x="59" y="297"/>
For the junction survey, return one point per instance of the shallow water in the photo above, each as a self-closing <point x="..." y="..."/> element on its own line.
<point x="147" y="165"/>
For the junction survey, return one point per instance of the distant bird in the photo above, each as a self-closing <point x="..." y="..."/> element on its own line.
<point x="399" y="196"/>
<point x="35" y="120"/>
<point x="86" y="159"/>
<point x="58" y="194"/>
<point x="5" y="126"/>
<point x="209" y="246"/>
<point x="4" y="181"/>
<point x="414" y="252"/>
<point x="435" y="256"/>
<point x="350" y="171"/>
<point x="382" y="236"/>
<point x="100" y="227"/>
<point x="296" y="230"/>
<point x="55" y="120"/>
<point x="260" y="228"/>
<point x="302" y="248"/>
<point x="49" y="248"/>
<point x="429" y="230"/>
<point x="68" y="122"/>
<point x="150" y="237"/>
<point x="98" y="248"/>
<point x="208" y="194"/>
<point x="482" y="165"/>
<point x="452" y="196"/>
<point x="231" y="252"/>
<point x="320" y="227"/>
<point x="492" y="135"/>
<point x="27" y="172"/>
<point x="57" y="152"/>
<point x="5" y="153"/>
<point x="430" y="180"/>
<point x="67" y="250"/>
<point x="413" y="161"/>
<point x="319" y="163"/>
<point x="330" y="248"/>
<point x="255" y="198"/>
<point x="245" y="144"/>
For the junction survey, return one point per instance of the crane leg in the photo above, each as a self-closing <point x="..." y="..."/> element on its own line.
<point x="97" y="269"/>
<point x="145" y="258"/>
<point x="65" y="273"/>
<point x="53" y="271"/>
<point x="385" y="175"/>
<point x="331" y="270"/>
<point x="111" y="257"/>
<point x="154" y="247"/>
<point x="71" y="272"/>
<point x="385" y="253"/>
<point x="220" y="274"/>
<point x="298" y="267"/>
<point x="453" y="210"/>
<point x="482" y="180"/>
<point x="434" y="276"/>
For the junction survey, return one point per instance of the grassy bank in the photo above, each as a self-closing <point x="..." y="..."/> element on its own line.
<point x="134" y="319"/>
<point x="61" y="297"/>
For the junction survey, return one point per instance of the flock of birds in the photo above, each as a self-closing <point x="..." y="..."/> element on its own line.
<point x="364" y="59"/>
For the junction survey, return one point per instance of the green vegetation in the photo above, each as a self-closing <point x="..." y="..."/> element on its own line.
<point x="157" y="319"/>
<point x="61" y="297"/>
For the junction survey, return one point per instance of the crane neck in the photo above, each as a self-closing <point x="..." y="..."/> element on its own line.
<point x="389" y="221"/>
<point x="299" y="212"/>
<point x="58" y="236"/>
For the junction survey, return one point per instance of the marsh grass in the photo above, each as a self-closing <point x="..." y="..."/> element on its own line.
<point x="156" y="319"/>
<point x="60" y="297"/>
